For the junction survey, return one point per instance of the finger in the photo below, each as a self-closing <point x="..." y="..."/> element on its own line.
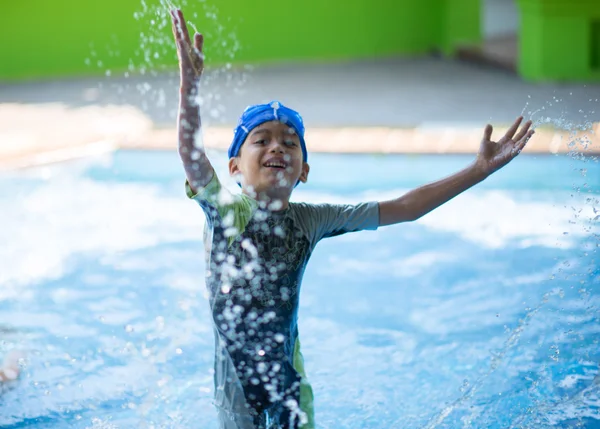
<point x="523" y="131"/>
<point x="173" y="23"/>
<point x="179" y="43"/>
<point x="176" y="27"/>
<point x="198" y="55"/>
<point x="520" y="145"/>
<point x="487" y="132"/>
<point x="183" y="27"/>
<point x="199" y="41"/>
<point x="184" y="49"/>
<point x="513" y="129"/>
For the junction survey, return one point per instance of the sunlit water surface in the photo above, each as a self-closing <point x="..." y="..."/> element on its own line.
<point x="483" y="314"/>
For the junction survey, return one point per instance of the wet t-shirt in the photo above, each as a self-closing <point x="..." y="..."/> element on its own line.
<point x="255" y="260"/>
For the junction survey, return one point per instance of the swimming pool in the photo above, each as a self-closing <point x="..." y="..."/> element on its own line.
<point x="482" y="314"/>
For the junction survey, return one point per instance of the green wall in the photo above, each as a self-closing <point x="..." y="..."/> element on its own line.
<point x="461" y="24"/>
<point x="41" y="38"/>
<point x="559" y="40"/>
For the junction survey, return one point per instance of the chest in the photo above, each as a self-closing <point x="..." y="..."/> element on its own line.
<point x="273" y="243"/>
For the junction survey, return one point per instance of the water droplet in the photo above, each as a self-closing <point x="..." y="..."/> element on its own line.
<point x="128" y="328"/>
<point x="555" y="352"/>
<point x="178" y="351"/>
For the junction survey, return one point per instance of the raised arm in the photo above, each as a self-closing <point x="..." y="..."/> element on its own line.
<point x="491" y="157"/>
<point x="198" y="168"/>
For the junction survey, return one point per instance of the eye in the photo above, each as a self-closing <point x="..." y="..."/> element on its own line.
<point x="260" y="141"/>
<point x="290" y="143"/>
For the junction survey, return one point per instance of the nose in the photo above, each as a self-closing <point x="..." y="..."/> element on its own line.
<point x="277" y="146"/>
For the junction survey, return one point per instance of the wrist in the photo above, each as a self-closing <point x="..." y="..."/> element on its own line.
<point x="188" y="91"/>
<point x="189" y="98"/>
<point x="189" y="87"/>
<point x="479" y="170"/>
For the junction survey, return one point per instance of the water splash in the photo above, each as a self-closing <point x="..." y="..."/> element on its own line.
<point x="496" y="359"/>
<point x="157" y="54"/>
<point x="149" y="78"/>
<point x="579" y="133"/>
<point x="579" y="125"/>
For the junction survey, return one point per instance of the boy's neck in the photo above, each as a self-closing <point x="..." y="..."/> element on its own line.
<point x="272" y="201"/>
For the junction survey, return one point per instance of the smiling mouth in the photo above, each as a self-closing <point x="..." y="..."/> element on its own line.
<point x="276" y="165"/>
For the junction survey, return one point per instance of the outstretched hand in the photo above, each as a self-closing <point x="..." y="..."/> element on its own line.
<point x="191" y="57"/>
<point x="494" y="155"/>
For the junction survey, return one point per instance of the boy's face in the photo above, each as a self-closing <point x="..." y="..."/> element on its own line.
<point x="270" y="161"/>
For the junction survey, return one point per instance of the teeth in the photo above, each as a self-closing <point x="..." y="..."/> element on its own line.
<point x="275" y="164"/>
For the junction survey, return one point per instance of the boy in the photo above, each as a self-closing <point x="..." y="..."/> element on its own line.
<point x="258" y="243"/>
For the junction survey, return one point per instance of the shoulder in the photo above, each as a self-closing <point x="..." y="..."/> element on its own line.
<point x="305" y="209"/>
<point x="308" y="215"/>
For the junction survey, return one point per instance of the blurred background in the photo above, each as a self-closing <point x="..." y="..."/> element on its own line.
<point x="413" y="66"/>
<point x="482" y="314"/>
<point x="540" y="40"/>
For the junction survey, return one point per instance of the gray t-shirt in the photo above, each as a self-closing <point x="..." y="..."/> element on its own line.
<point x="255" y="260"/>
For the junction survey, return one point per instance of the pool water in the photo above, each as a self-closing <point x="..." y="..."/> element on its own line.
<point x="482" y="314"/>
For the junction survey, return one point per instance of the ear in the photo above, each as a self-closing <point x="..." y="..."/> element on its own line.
<point x="304" y="174"/>
<point x="234" y="168"/>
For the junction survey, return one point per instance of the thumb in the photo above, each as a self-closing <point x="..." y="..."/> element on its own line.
<point x="487" y="132"/>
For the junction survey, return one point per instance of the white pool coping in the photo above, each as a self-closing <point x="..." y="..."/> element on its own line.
<point x="46" y="133"/>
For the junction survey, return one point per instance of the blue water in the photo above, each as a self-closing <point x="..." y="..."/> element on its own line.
<point x="482" y="314"/>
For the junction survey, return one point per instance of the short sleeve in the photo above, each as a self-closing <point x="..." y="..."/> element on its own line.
<point x="329" y="220"/>
<point x="209" y="193"/>
<point x="224" y="210"/>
